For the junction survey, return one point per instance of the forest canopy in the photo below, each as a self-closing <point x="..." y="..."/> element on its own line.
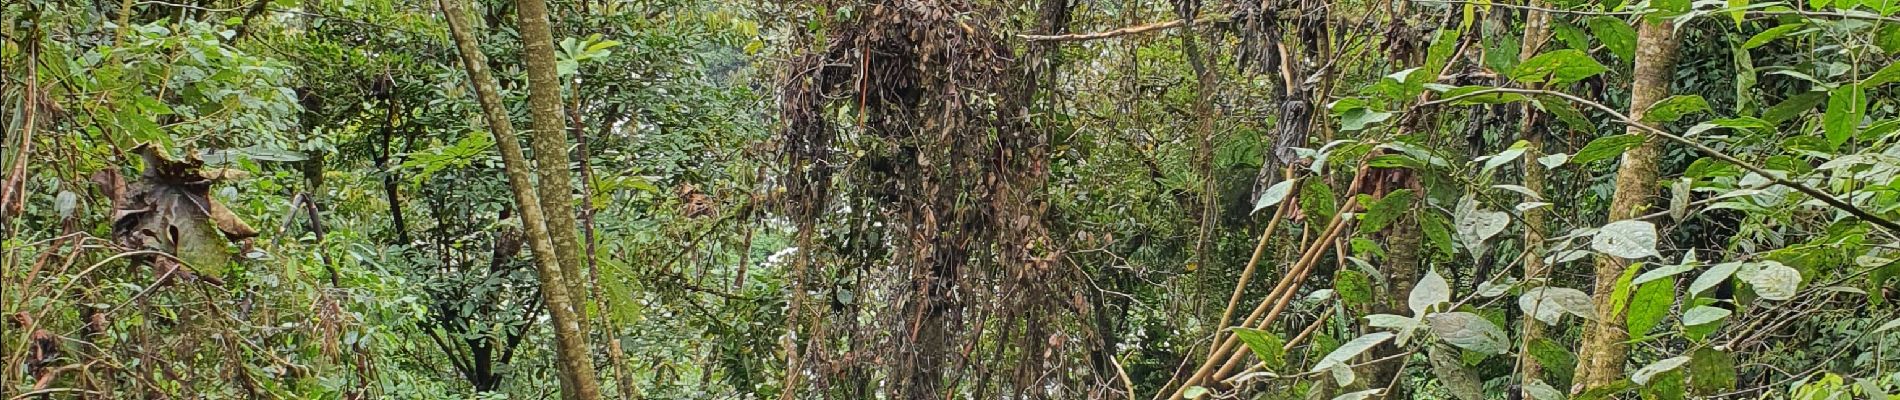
<point x="950" y="199"/>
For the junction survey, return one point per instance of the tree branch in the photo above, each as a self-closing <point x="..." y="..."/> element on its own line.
<point x="1824" y="197"/>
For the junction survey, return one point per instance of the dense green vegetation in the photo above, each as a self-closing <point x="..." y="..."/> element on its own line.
<point x="911" y="199"/>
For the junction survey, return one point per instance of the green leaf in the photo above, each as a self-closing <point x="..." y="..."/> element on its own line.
<point x="1703" y="315"/>
<point x="1890" y="325"/>
<point x="1462" y="381"/>
<point x="1359" y="118"/>
<point x="1540" y="390"/>
<point x="1715" y="275"/>
<point x="1606" y="391"/>
<point x="1350" y="349"/>
<point x="1766" y="36"/>
<point x="1359" y="395"/>
<point x="1671" y="8"/>
<point x="1674" y="108"/>
<point x="1265" y="345"/>
<point x="1555" y="358"/>
<point x="1354" y="287"/>
<point x="1549" y="304"/>
<point x="1889" y="74"/>
<point x="1194" y="392"/>
<point x="65" y="202"/>
<point x="1773" y="281"/>
<point x="1630" y="239"/>
<point x="1316" y="199"/>
<point x="1431" y="290"/>
<point x="1606" y="147"/>
<point x="1470" y="332"/>
<point x="1620" y="294"/>
<point x="1388" y="208"/>
<point x="1558" y="67"/>
<point x="1437" y="232"/>
<point x="1643" y="375"/>
<point x="1845" y="107"/>
<point x="1792" y="107"/>
<point x="1616" y="34"/>
<point x="1650" y="306"/>
<point x="1274" y="195"/>
<point x="1465" y="96"/>
<point x="1711" y="372"/>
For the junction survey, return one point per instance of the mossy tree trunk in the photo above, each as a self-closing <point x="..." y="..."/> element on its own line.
<point x="550" y="144"/>
<point x="576" y="365"/>
<point x="1601" y="356"/>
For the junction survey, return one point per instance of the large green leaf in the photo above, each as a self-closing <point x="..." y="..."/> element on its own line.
<point x="1558" y="67"/>
<point x="1470" y="332"/>
<point x="1549" y="304"/>
<point x="1769" y="35"/>
<point x="1773" y="280"/>
<point x="1650" y="305"/>
<point x="1388" y="208"/>
<point x="1606" y="147"/>
<point x="1431" y="290"/>
<point x="1265" y="345"/>
<point x="1644" y="374"/>
<point x="1846" y="105"/>
<point x="1711" y="371"/>
<point x="1793" y="106"/>
<point x="1716" y="274"/>
<point x="1616" y="34"/>
<point x="1350" y="349"/>
<point x="1628" y="238"/>
<point x="1674" y="108"/>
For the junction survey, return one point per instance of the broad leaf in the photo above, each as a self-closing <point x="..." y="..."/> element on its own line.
<point x="1386" y="210"/>
<point x="1606" y="147"/>
<point x="1711" y="371"/>
<point x="1715" y="275"/>
<point x="1274" y="194"/>
<point x="1674" y="108"/>
<point x="1643" y="375"/>
<point x="1453" y="375"/>
<point x="1616" y="34"/>
<point x="1703" y="315"/>
<point x="1845" y="107"/>
<point x="1470" y="332"/>
<point x="1773" y="281"/>
<point x="1549" y="304"/>
<point x="1770" y="35"/>
<point x="1557" y="67"/>
<point x="1265" y="345"/>
<point x="1628" y="239"/>
<point x="1359" y="395"/>
<point x="1350" y="349"/>
<point x="1649" y="306"/>
<point x="1431" y="290"/>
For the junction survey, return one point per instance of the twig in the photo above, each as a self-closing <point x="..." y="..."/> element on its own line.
<point x="1077" y="37"/>
<point x="1889" y="225"/>
<point x="1752" y="13"/>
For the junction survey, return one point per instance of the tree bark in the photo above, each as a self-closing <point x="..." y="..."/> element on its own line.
<point x="1601" y="356"/>
<point x="550" y="144"/>
<point x="1536" y="33"/>
<point x="576" y="365"/>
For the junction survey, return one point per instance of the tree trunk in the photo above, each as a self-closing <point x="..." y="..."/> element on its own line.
<point x="1536" y="33"/>
<point x="550" y="144"/>
<point x="1600" y="358"/>
<point x="577" y="367"/>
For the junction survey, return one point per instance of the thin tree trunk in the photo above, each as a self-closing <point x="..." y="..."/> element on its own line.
<point x="549" y="140"/>
<point x="577" y="367"/>
<point x="1601" y="356"/>
<point x="1536" y="33"/>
